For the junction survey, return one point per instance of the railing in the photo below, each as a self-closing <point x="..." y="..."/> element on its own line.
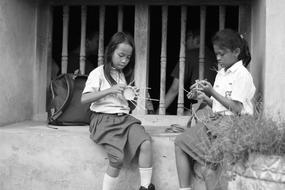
<point x="141" y="36"/>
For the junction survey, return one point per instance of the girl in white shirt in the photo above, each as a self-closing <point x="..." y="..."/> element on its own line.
<point x="231" y="94"/>
<point x="111" y="125"/>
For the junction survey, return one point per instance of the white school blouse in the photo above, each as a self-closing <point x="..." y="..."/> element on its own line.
<point x="112" y="103"/>
<point x="236" y="84"/>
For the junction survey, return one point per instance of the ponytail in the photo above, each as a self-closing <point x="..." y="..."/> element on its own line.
<point x="245" y="53"/>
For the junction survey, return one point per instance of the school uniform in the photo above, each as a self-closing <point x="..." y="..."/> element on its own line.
<point x="111" y="125"/>
<point x="237" y="84"/>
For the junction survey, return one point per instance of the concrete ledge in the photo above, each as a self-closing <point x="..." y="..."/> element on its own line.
<point x="36" y="157"/>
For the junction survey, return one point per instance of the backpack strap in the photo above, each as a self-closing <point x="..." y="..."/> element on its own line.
<point x="69" y="85"/>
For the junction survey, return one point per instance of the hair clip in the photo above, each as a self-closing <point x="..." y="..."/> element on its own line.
<point x="241" y="36"/>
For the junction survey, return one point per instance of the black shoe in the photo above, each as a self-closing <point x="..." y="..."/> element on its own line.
<point x="142" y="188"/>
<point x="150" y="187"/>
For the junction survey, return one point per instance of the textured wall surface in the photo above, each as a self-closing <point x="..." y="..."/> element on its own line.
<point x="17" y="57"/>
<point x="262" y="172"/>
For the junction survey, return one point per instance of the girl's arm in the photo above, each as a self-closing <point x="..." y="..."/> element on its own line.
<point x="94" y="96"/>
<point x="207" y="100"/>
<point x="231" y="105"/>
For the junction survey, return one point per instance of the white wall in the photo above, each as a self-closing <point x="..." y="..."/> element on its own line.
<point x="274" y="83"/>
<point x="268" y="61"/>
<point x="258" y="43"/>
<point x="17" y="57"/>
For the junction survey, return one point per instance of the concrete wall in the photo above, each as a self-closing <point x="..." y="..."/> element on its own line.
<point x="36" y="157"/>
<point x="258" y="43"/>
<point x="17" y="54"/>
<point x="268" y="44"/>
<point x="274" y="78"/>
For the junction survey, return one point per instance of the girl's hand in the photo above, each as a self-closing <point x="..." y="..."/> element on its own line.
<point x="196" y="95"/>
<point x="195" y="86"/>
<point x="192" y="94"/>
<point x="205" y="87"/>
<point x="201" y="95"/>
<point x="119" y="88"/>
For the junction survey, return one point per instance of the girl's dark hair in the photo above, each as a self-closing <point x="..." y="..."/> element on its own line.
<point x="116" y="39"/>
<point x="231" y="39"/>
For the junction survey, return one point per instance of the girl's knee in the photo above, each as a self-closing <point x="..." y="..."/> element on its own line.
<point x="179" y="152"/>
<point x="112" y="171"/>
<point x="116" y="161"/>
<point x="178" y="139"/>
<point x="210" y="173"/>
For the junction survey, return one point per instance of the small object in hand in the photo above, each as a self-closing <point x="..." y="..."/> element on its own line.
<point x="130" y="93"/>
<point x="192" y="94"/>
<point x="198" y="84"/>
<point x="195" y="88"/>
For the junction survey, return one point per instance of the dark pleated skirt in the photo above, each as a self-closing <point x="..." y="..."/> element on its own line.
<point x="197" y="140"/>
<point x="119" y="134"/>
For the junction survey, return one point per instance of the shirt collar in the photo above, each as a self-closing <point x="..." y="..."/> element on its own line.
<point x="234" y="67"/>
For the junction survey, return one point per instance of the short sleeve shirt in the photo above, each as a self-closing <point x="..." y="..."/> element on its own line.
<point x="112" y="103"/>
<point x="236" y="84"/>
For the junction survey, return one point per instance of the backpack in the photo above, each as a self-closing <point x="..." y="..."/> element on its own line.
<point x="64" y="101"/>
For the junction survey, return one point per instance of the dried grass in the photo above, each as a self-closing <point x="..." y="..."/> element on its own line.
<point x="237" y="138"/>
<point x="246" y="134"/>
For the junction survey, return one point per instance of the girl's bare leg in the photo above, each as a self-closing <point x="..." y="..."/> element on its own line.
<point x="113" y="172"/>
<point x="183" y="166"/>
<point x="145" y="155"/>
<point x="145" y="165"/>
<point x="212" y="178"/>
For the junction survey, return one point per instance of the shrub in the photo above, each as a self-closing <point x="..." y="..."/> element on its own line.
<point x="248" y="134"/>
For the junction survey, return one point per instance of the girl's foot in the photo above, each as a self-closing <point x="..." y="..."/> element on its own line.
<point x="150" y="187"/>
